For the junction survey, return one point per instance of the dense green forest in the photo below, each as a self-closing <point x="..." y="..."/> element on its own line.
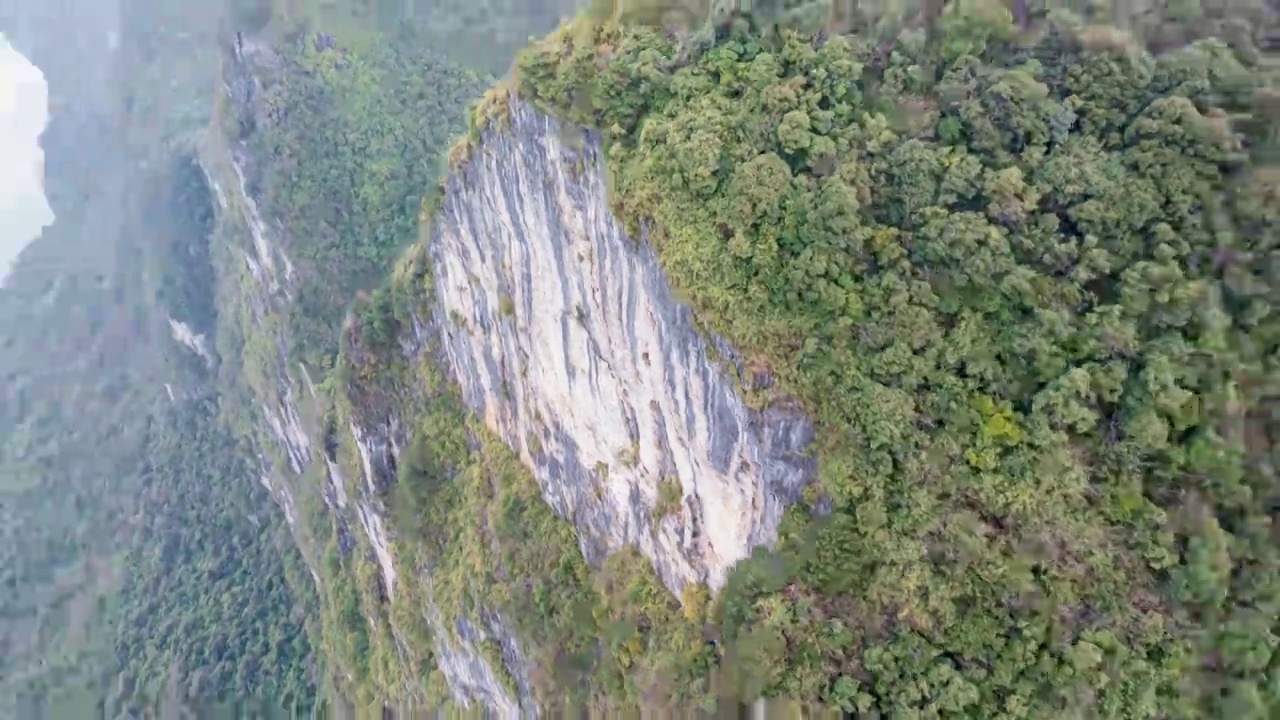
<point x="1022" y="280"/>
<point x="205" y="593"/>
<point x="75" y="365"/>
<point x="990" y="261"/>
<point x="483" y="35"/>
<point x="365" y="132"/>
<point x="84" y="358"/>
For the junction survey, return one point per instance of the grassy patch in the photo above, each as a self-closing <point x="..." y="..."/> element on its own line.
<point x="668" y="499"/>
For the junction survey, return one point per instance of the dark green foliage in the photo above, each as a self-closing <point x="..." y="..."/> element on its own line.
<point x="668" y="498"/>
<point x="486" y="34"/>
<point x="82" y="329"/>
<point x="361" y="136"/>
<point x="1020" y="289"/>
<point x="186" y="287"/>
<point x="249" y="15"/>
<point x="205" y="603"/>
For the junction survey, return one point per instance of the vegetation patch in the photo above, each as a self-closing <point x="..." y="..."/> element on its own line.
<point x="668" y="499"/>
<point x="491" y="650"/>
<point x="346" y="167"/>
<point x="206" y="603"/>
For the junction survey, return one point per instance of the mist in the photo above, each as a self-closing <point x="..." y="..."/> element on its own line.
<point x="23" y="114"/>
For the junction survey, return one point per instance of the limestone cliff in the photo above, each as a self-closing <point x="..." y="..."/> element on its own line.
<point x="256" y="276"/>
<point x="298" y="455"/>
<point x="565" y="337"/>
<point x="560" y="333"/>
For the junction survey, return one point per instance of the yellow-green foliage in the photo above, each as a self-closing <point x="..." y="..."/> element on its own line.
<point x="1038" y="396"/>
<point x="668" y="498"/>
<point x="480" y="34"/>
<point x="491" y="649"/>
<point x="696" y="600"/>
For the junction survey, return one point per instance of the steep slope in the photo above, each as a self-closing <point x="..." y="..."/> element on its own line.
<point x="317" y="159"/>
<point x="565" y="338"/>
<point x="1039" y="403"/>
<point x="64" y="317"/>
<point x="686" y="474"/>
<point x="993" y="271"/>
<point x="335" y="441"/>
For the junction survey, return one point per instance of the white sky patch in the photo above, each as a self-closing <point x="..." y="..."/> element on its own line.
<point x="24" y="110"/>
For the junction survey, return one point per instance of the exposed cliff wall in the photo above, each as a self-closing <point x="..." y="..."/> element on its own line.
<point x="559" y="333"/>
<point x="383" y="408"/>
<point x="256" y="277"/>
<point x="347" y="469"/>
<point x="563" y="338"/>
<point x="566" y="339"/>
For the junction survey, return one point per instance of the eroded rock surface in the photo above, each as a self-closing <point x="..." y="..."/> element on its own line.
<point x="565" y="337"/>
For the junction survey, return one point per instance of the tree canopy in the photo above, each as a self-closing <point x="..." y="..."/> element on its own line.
<point x="1023" y="281"/>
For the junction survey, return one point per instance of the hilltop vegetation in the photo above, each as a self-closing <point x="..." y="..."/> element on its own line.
<point x="1022" y="283"/>
<point x="1017" y="275"/>
<point x="482" y="35"/>
<point x="991" y="266"/>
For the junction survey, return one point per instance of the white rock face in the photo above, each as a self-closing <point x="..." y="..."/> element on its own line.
<point x="286" y="426"/>
<point x="228" y="166"/>
<point x="378" y="447"/>
<point x="337" y="485"/>
<point x="194" y="341"/>
<point x="565" y="338"/>
<point x="218" y="192"/>
<point x="266" y="249"/>
<point x="472" y="681"/>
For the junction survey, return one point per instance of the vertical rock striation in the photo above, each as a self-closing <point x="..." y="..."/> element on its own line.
<point x="565" y="337"/>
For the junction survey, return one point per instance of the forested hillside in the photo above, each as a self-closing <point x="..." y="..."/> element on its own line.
<point x="1016" y="263"/>
<point x="1022" y="278"/>
<point x="205" y="587"/>
<point x="144" y="564"/>
<point x="1017" y="274"/>
<point x="366" y="130"/>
